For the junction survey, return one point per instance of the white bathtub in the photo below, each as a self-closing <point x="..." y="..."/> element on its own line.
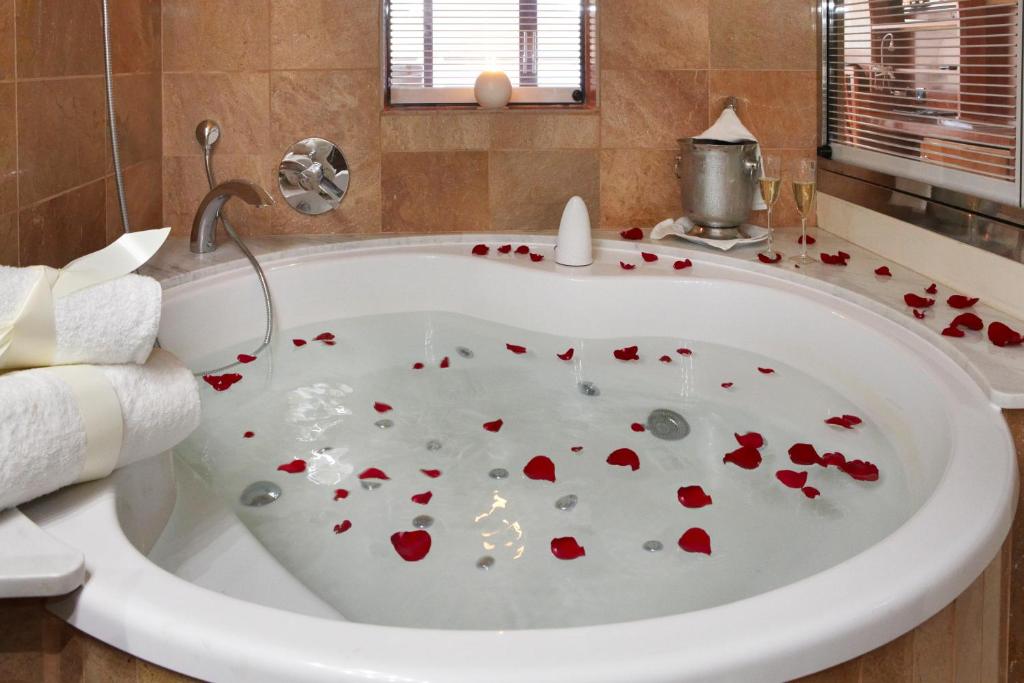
<point x="175" y="578"/>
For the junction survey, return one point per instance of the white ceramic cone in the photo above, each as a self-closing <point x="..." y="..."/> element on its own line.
<point x="573" y="247"/>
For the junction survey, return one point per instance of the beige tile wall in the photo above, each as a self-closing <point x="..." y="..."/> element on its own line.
<point x="281" y="70"/>
<point x="56" y="174"/>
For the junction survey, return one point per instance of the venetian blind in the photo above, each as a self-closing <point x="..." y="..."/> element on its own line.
<point x="928" y="90"/>
<point x="437" y="48"/>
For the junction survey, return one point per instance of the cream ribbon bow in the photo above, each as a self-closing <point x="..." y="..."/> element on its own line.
<point x="29" y="340"/>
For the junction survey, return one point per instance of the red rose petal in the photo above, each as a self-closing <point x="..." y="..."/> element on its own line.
<point x="746" y="457"/>
<point x="1003" y="335"/>
<point x="833" y="460"/>
<point x="637" y="427"/>
<point x="381" y="407"/>
<point x="433" y="474"/>
<point x="222" y="382"/>
<point x="763" y="258"/>
<point x="248" y="435"/>
<point x="648" y="257"/>
<point x="245" y="358"/>
<point x="299" y="342"/>
<point x="567" y="355"/>
<point x="540" y="467"/>
<point x="536" y="258"/>
<point x="522" y="249"/>
<point x="627" y="353"/>
<point x="494" y="426"/>
<point x="576" y="449"/>
<point x="566" y="548"/>
<point x="810" y="492"/>
<point x="329" y="342"/>
<point x="860" y="470"/>
<point x="915" y="301"/>
<point x="683" y="264"/>
<point x="411" y="546"/>
<point x="422" y="498"/>
<point x="666" y="359"/>
<point x="632" y="234"/>
<point x="804" y="454"/>
<point x="624" y="457"/>
<point x="481" y="250"/>
<point x="838" y="259"/>
<point x="293" y="467"/>
<point x="931" y="289"/>
<point x="883" y="271"/>
<point x="683" y="351"/>
<point x="693" y="497"/>
<point x="952" y="332"/>
<point x="766" y="371"/>
<point x="919" y="314"/>
<point x="792" y="479"/>
<point x="810" y="240"/>
<point x="726" y="385"/>
<point x="343" y="527"/>
<point x="505" y="249"/>
<point x="961" y="301"/>
<point x="373" y="473"/>
<point x="968" y="320"/>
<point x="324" y="336"/>
<point x="844" y="421"/>
<point x="516" y="348"/>
<point x="340" y="494"/>
<point x="444" y="363"/>
<point x="417" y="366"/>
<point x="695" y="540"/>
<point x="750" y="440"/>
<point x="627" y="266"/>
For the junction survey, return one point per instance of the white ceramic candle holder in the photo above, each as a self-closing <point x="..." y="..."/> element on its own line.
<point x="492" y="90"/>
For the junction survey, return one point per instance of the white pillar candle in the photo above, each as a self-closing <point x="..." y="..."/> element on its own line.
<point x="493" y="89"/>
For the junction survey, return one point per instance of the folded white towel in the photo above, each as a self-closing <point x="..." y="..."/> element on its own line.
<point x="729" y="128"/>
<point x="42" y="437"/>
<point x="112" y="322"/>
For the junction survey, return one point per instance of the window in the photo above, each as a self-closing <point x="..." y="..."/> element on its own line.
<point x="437" y="48"/>
<point x="927" y="90"/>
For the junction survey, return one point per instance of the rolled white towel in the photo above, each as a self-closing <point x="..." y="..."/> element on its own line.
<point x="42" y="436"/>
<point x="108" y="323"/>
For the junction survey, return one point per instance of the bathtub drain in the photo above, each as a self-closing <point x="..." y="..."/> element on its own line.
<point x="260" y="493"/>
<point x="667" y="424"/>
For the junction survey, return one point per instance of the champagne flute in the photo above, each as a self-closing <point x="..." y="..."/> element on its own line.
<point x="770" y="181"/>
<point x="803" y="193"/>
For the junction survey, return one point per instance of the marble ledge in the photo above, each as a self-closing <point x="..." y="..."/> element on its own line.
<point x="1000" y="371"/>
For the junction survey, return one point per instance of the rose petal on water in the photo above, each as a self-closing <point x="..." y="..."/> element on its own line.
<point x="624" y="457"/>
<point x="804" y="454"/>
<point x="648" y="257"/>
<point x="422" y="498"/>
<point x="343" y="527"/>
<point x="931" y="289"/>
<point x="749" y="440"/>
<point x="695" y="540"/>
<point x="516" y="348"/>
<point x="693" y="497"/>
<point x="494" y="425"/>
<point x="792" y="478"/>
<point x="810" y="492"/>
<point x="481" y="250"/>
<point x="961" y="301"/>
<point x="540" y="467"/>
<point x="381" y="407"/>
<point x="627" y="353"/>
<point x="505" y="249"/>
<point x="632" y="234"/>
<point x="433" y="474"/>
<point x="411" y="546"/>
<point x="883" y="271"/>
<point x="916" y="301"/>
<point x="1002" y="335"/>
<point x="340" y="494"/>
<point x="293" y="467"/>
<point x="245" y="358"/>
<point x="567" y="548"/>
<point x="373" y="473"/>
<point x="299" y="342"/>
<point x="746" y="457"/>
<point x="627" y="266"/>
<point x="683" y="264"/>
<point x="567" y="355"/>
<point x="968" y="320"/>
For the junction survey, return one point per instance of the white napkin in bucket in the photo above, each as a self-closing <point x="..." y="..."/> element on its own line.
<point x="729" y="128"/>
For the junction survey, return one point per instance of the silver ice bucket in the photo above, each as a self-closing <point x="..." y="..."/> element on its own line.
<point x="718" y="181"/>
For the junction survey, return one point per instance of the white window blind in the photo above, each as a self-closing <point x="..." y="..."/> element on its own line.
<point x="437" y="48"/>
<point x="928" y="90"/>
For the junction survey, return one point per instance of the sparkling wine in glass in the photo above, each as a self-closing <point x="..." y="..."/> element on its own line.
<point x="803" y="193"/>
<point x="770" y="181"/>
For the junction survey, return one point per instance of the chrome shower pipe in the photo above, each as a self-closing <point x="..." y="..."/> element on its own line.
<point x="115" y="144"/>
<point x="207" y="135"/>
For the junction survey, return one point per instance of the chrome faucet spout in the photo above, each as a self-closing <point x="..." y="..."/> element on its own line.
<point x="204" y="226"/>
